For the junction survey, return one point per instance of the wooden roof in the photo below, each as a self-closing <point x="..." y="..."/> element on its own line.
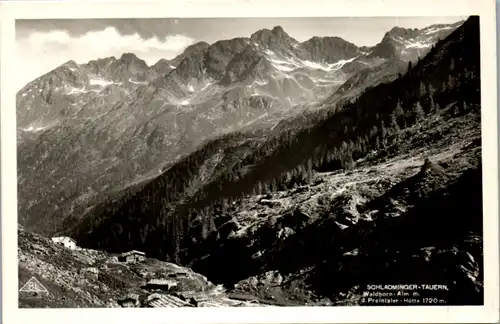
<point x="133" y="252"/>
<point x="64" y="237"/>
<point x="167" y="301"/>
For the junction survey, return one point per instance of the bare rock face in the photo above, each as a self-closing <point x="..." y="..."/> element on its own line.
<point x="329" y="49"/>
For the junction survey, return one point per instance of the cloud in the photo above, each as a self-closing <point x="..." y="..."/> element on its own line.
<point x="40" y="52"/>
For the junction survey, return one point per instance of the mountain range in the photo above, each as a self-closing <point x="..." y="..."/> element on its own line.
<point x="117" y="121"/>
<point x="267" y="162"/>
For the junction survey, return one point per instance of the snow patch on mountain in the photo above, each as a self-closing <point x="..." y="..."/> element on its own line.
<point x="257" y="83"/>
<point x="136" y="82"/>
<point x="418" y="45"/>
<point x="35" y="129"/>
<point x="283" y="68"/>
<point x="206" y="86"/>
<point x="292" y="63"/>
<point x="328" y="67"/>
<point x="434" y="30"/>
<point x="73" y="90"/>
<point x="101" y="82"/>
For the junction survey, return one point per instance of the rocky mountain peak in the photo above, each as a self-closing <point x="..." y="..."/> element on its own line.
<point x="131" y="58"/>
<point x="102" y="61"/>
<point x="70" y="64"/>
<point x="278" y="30"/>
<point x="242" y="66"/>
<point x="409" y="44"/>
<point x="274" y="38"/>
<point x="219" y="54"/>
<point x="329" y="49"/>
<point x="196" y="48"/>
<point x="191" y="66"/>
<point x="403" y="32"/>
<point x="94" y="66"/>
<point x="199" y="46"/>
<point x="161" y="64"/>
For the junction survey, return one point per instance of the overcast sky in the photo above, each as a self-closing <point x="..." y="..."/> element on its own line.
<point x="42" y="45"/>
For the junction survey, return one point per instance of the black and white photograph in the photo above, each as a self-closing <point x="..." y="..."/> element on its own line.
<point x="194" y="162"/>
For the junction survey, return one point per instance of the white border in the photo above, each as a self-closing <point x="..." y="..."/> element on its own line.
<point x="11" y="10"/>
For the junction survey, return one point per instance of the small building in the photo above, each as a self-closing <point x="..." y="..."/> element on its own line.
<point x="178" y="275"/>
<point x="65" y="241"/>
<point x="160" y="284"/>
<point x="132" y="256"/>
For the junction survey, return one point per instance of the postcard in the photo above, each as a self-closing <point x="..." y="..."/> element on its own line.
<point x="253" y="162"/>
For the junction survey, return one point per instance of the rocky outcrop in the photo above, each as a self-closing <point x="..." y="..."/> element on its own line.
<point x="274" y="39"/>
<point x="329" y="49"/>
<point x="410" y="44"/>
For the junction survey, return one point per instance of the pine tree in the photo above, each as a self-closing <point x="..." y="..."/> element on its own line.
<point x="345" y="146"/>
<point x="176" y="243"/>
<point x="430" y="89"/>
<point x="423" y="89"/>
<point x="383" y="132"/>
<point x="259" y="187"/>
<point x="377" y="143"/>
<point x="212" y="226"/>
<point x="417" y="111"/>
<point x="451" y="82"/>
<point x="274" y="185"/>
<point x="373" y="131"/>
<point x="204" y="225"/>
<point x="399" y="110"/>
<point x="394" y="123"/>
<point x="309" y="170"/>
<point x="432" y="105"/>
<point x="464" y="106"/>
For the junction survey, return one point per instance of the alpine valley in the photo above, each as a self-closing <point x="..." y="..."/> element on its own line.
<point x="272" y="171"/>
